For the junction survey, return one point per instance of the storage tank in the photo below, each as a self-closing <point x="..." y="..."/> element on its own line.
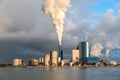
<point x="33" y="62"/>
<point x="47" y="60"/>
<point x="54" y="58"/>
<point x="17" y="62"/>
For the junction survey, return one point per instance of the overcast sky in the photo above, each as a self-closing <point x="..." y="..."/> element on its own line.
<point x="26" y="32"/>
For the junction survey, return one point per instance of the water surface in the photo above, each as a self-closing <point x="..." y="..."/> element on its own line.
<point x="102" y="73"/>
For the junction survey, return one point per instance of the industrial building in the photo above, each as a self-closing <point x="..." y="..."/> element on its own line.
<point x="83" y="48"/>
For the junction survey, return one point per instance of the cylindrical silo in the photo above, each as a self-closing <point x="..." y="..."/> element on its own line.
<point x="54" y="58"/>
<point x="47" y="60"/>
<point x="17" y="62"/>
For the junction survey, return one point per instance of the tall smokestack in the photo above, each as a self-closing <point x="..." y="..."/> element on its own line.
<point x="60" y="51"/>
<point x="57" y="9"/>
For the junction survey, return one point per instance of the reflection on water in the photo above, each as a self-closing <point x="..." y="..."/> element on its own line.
<point x="103" y="73"/>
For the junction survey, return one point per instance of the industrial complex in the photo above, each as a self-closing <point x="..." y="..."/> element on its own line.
<point x="80" y="57"/>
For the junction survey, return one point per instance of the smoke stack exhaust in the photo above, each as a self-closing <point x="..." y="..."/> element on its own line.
<point x="57" y="10"/>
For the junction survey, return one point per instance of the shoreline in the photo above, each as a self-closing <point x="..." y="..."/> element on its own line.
<point x="55" y="67"/>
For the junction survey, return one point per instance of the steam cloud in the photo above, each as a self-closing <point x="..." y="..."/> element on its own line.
<point x="96" y="49"/>
<point x="110" y="46"/>
<point x="57" y="9"/>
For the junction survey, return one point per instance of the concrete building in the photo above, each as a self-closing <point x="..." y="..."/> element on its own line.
<point x="47" y="60"/>
<point x="54" y="58"/>
<point x="33" y="62"/>
<point x="17" y="62"/>
<point x="75" y="55"/>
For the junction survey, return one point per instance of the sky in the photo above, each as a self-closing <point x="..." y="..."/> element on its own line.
<point x="27" y="32"/>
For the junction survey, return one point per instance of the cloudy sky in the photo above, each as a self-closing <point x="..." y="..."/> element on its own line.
<point x="26" y="32"/>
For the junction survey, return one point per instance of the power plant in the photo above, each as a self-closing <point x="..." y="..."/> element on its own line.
<point x="79" y="57"/>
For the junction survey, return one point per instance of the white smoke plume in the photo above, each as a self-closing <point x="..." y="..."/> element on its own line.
<point x="111" y="45"/>
<point x="57" y="9"/>
<point x="96" y="49"/>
